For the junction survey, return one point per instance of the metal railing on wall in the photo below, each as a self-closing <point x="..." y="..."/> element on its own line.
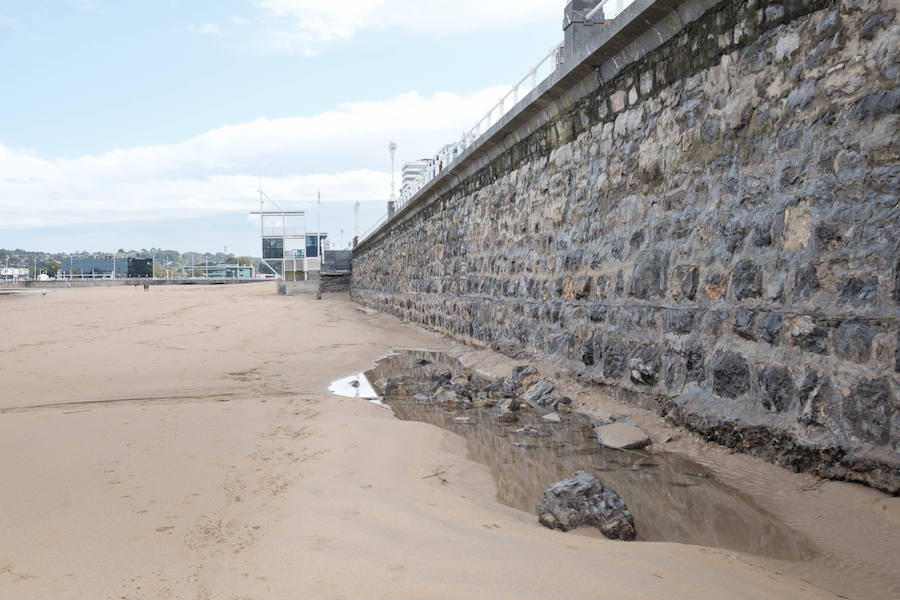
<point x="449" y="153"/>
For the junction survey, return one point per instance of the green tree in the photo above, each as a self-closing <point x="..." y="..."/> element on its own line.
<point x="52" y="267"/>
<point x="244" y="260"/>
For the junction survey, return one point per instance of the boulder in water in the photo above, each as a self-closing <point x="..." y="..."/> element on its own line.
<point x="582" y="500"/>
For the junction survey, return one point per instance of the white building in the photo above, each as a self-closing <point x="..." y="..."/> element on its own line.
<point x="13" y="273"/>
<point x="412" y="170"/>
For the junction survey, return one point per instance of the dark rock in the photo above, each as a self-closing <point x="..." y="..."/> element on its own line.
<point x="598" y="312"/>
<point x="858" y="292"/>
<point x="762" y="235"/>
<point x="581" y="287"/>
<point x="695" y="369"/>
<point x="868" y="410"/>
<point x="743" y="323"/>
<point x="679" y="321"/>
<point x="648" y="280"/>
<point x="561" y="401"/>
<point x="637" y="239"/>
<point x="644" y="365"/>
<point x="828" y="236"/>
<point x="809" y="336"/>
<point x="770" y="328"/>
<point x="587" y="352"/>
<point x="806" y="282"/>
<point x="854" y="341"/>
<point x="521" y="374"/>
<point x="731" y="374"/>
<point x="536" y="392"/>
<point x="746" y="280"/>
<point x="897" y="354"/>
<point x="776" y="389"/>
<point x="880" y="103"/>
<point x="734" y="235"/>
<point x="875" y="22"/>
<point x="827" y="26"/>
<point x="620" y="285"/>
<point x="583" y="500"/>
<point x="896" y="293"/>
<point x="687" y="277"/>
<point x="614" y="359"/>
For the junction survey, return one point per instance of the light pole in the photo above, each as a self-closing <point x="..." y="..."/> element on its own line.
<point x="392" y="147"/>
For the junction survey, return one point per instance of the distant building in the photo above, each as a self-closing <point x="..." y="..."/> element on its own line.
<point x="412" y="170"/>
<point x="105" y="267"/>
<point x="13" y="273"/>
<point x="227" y="271"/>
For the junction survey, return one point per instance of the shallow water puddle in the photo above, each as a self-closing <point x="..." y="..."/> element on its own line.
<point x="672" y="498"/>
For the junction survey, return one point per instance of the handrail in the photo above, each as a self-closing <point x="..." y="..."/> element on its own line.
<point x="449" y="153"/>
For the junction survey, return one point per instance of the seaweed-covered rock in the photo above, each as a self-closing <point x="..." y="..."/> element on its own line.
<point x="582" y="500"/>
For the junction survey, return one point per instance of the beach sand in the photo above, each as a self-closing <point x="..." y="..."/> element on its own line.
<point x="182" y="443"/>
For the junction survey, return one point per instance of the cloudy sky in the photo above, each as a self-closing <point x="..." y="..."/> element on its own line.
<point x="130" y="124"/>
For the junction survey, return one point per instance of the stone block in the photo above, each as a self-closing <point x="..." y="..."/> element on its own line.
<point x="615" y="358"/>
<point x="743" y="323"/>
<point x="776" y="389"/>
<point x="648" y="280"/>
<point x="770" y="328"/>
<point x="806" y="282"/>
<point x="805" y="334"/>
<point x="857" y="292"/>
<point x="731" y="374"/>
<point x="617" y="101"/>
<point x="643" y="366"/>
<point x="746" y="281"/>
<point x="679" y="321"/>
<point x="695" y="368"/>
<point x="853" y="341"/>
<point x="684" y="284"/>
<point x="598" y="312"/>
<point x="868" y="409"/>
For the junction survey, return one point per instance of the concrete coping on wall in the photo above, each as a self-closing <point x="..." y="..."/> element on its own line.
<point x="639" y="29"/>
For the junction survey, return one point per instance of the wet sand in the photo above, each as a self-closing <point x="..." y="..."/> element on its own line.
<point x="182" y="443"/>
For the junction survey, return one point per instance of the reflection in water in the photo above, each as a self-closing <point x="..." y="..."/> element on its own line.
<point x="356" y="386"/>
<point x="671" y="497"/>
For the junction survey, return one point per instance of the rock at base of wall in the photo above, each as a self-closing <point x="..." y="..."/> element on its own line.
<point x="622" y="436"/>
<point x="583" y="500"/>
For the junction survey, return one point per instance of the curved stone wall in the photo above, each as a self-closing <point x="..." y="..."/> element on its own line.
<point x="712" y="229"/>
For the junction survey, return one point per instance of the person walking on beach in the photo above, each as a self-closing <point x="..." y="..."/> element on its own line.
<point x="146" y="287"/>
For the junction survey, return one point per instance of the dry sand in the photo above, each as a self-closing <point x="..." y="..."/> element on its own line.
<point x="182" y="443"/>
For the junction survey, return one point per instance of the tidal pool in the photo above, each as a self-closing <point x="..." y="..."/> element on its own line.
<point x="672" y="498"/>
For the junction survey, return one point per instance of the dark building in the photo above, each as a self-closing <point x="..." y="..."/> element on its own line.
<point x="140" y="267"/>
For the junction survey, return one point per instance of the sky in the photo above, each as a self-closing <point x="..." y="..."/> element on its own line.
<point x="136" y="124"/>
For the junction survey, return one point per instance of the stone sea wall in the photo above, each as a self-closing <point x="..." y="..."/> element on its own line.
<point x="711" y="230"/>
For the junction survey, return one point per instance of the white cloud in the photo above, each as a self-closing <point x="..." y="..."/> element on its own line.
<point x="8" y="22"/>
<point x="303" y="25"/>
<point x="343" y="152"/>
<point x="207" y="29"/>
